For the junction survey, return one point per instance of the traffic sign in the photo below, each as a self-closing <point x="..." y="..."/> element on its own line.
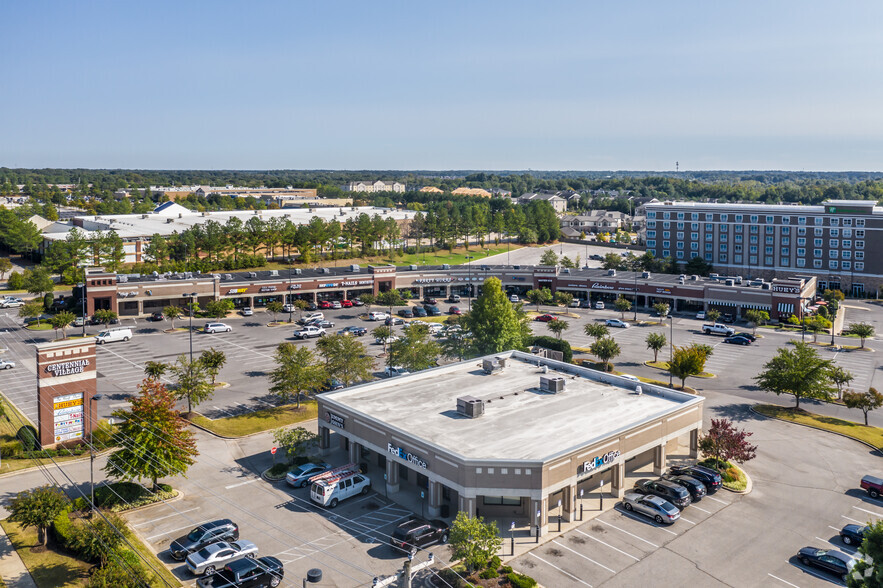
<point x="272" y="451"/>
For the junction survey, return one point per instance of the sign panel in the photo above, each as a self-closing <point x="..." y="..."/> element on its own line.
<point x="601" y="460"/>
<point x="409" y="457"/>
<point x="67" y="414"/>
<point x="77" y="366"/>
<point x="335" y="419"/>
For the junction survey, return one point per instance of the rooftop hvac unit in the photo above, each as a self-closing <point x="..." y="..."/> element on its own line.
<point x="470" y="406"/>
<point x="412" y="267"/>
<point x="143" y="216"/>
<point x="765" y="286"/>
<point x="274" y="273"/>
<point x="252" y="275"/>
<point x="554" y="384"/>
<point x="611" y="272"/>
<point x="170" y="220"/>
<point x="694" y="278"/>
<point x="645" y="275"/>
<point x="491" y="365"/>
<point x="228" y="276"/>
<point x="729" y="282"/>
<point x="355" y="268"/>
<point x="298" y="271"/>
<point x="738" y="279"/>
<point x="122" y="279"/>
<point x="446" y="266"/>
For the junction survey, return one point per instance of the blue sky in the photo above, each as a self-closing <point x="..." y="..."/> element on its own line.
<point x="583" y="85"/>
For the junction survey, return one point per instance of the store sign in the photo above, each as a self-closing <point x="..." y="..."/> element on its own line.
<point x="357" y="283"/>
<point x="268" y="288"/>
<point x="237" y="291"/>
<point x="295" y="286"/>
<point x="409" y="457"/>
<point x="78" y="366"/>
<point x="786" y="289"/>
<point x="598" y="286"/>
<point x="330" y="285"/>
<point x="67" y="415"/>
<point x="601" y="460"/>
<point x="335" y="419"/>
<point x="576" y="285"/>
<point x="432" y="280"/>
<point x="663" y="290"/>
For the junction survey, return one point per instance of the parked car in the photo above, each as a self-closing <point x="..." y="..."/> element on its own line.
<point x="455" y="310"/>
<point x="289" y="308"/>
<point x="111" y="335"/>
<point x="156" y="316"/>
<point x="728" y="318"/>
<point x="429" y="301"/>
<point x="707" y="476"/>
<point x="392" y="371"/>
<point x="329" y="492"/>
<point x="453" y="298"/>
<point x="377" y="316"/>
<point x="418" y="533"/>
<point x="309" y="332"/>
<point x="205" y="534"/>
<point x="829" y="560"/>
<point x="346" y="303"/>
<point x="355" y="331"/>
<point x="514" y="298"/>
<point x="700" y="315"/>
<point x="12" y="303"/>
<point x="246" y="573"/>
<point x="737" y="340"/>
<point x="585" y="304"/>
<point x="357" y="302"/>
<point x="406" y="313"/>
<point x="616" y="323"/>
<point x="387" y="341"/>
<point x="310" y="316"/>
<point x="80" y="321"/>
<point x="6" y="365"/>
<point x="211" y="557"/>
<point x="324" y="304"/>
<point x="432" y="310"/>
<point x="419" y="311"/>
<point x="599" y="305"/>
<point x="336" y="305"/>
<point x="217" y="328"/>
<point x="574" y="303"/>
<point x="853" y="534"/>
<point x="659" y="509"/>
<point x="694" y="487"/>
<point x="748" y="336"/>
<point x="299" y="476"/>
<point x="311" y="306"/>
<point x="873" y="485"/>
<point x="546" y="318"/>
<point x="322" y="324"/>
<point x="674" y="493"/>
<point x="247" y="311"/>
<point x="718" y="329"/>
<point x="394" y="320"/>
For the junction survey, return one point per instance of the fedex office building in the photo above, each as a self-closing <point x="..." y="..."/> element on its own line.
<point x="511" y="435"/>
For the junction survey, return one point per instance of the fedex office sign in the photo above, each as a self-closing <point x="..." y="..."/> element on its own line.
<point x="402" y="454"/>
<point x="601" y="460"/>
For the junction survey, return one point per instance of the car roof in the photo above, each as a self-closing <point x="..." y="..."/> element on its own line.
<point x="412" y="524"/>
<point x="658" y="501"/>
<point x="241" y="565"/>
<point x="215" y="524"/>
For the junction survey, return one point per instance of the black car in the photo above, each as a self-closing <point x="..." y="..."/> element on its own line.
<point x="406" y="313"/>
<point x="417" y="534"/>
<point x="157" y="316"/>
<point x="748" y="336"/>
<point x="312" y="306"/>
<point x="419" y="312"/>
<point x="246" y="573"/>
<point x="356" y="331"/>
<point x="694" y="487"/>
<point x="585" y="304"/>
<point x="432" y="310"/>
<point x="674" y="493"/>
<point x="737" y="340"/>
<point x="853" y="534"/>
<point x="394" y="320"/>
<point x="728" y="318"/>
<point x="204" y="534"/>
<point x="707" y="476"/>
<point x="830" y="560"/>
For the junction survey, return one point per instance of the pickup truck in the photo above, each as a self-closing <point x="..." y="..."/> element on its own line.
<point x="309" y="331"/>
<point x="718" y="329"/>
<point x="873" y="485"/>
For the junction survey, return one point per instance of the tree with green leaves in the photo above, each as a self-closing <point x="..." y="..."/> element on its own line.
<point x="494" y="324"/>
<point x="622" y="306"/>
<point x="33" y="309"/>
<point x="473" y="541"/>
<point x="687" y="361"/>
<point x="218" y="309"/>
<point x="415" y="350"/>
<point x="5" y="266"/>
<point x="757" y="317"/>
<point x="612" y="261"/>
<point x="274" y="308"/>
<point x="383" y="334"/>
<point x="368" y="300"/>
<point x="862" y="331"/>
<point x="38" y="508"/>
<point x="549" y="257"/>
<point x="172" y="312"/>
<point x="656" y="341"/>
<point x="154" y="370"/>
<point x="840" y="377"/>
<point x="295" y="442"/>
<point x="558" y="327"/>
<point x="391" y="298"/>
<point x="62" y="321"/>
<point x="864" y="401"/>
<point x="596" y="330"/>
<point x="539" y="296"/>
<point x="868" y="570"/>
<point x="712" y="315"/>
<point x="301" y="306"/>
<point x="816" y="324"/>
<point x="39" y="282"/>
<point x="662" y="309"/>
<point x="346" y="359"/>
<point x="105" y="316"/>
<point x="153" y="440"/>
<point x="724" y="442"/>
<point x="213" y="360"/>
<point x="297" y="373"/>
<point x="800" y="372"/>
<point x="191" y="381"/>
<point x="605" y="349"/>
<point x="563" y="298"/>
<point x="98" y="540"/>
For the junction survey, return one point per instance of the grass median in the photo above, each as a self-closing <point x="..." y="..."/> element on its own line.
<point x="663" y="365"/>
<point x="870" y="435"/>
<point x="258" y="420"/>
<point x="48" y="567"/>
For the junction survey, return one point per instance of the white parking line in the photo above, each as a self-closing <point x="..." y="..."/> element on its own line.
<point x="253" y="480"/>
<point x="687" y="520"/>
<point x="876" y="514"/>
<point x="783" y="581"/>
<point x="190" y="526"/>
<point x="560" y="570"/>
<point x="583" y="556"/>
<point x="635" y="517"/>
<point x="607" y="544"/>
<point x="627" y="533"/>
<point x="853" y="520"/>
<point x="717" y="499"/>
<point x="694" y="507"/>
<point x="813" y="573"/>
<point x="167" y="516"/>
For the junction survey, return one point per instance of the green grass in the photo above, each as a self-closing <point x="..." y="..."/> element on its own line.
<point x="599" y="365"/>
<point x="732" y="476"/>
<point x="663" y="365"/>
<point x="168" y="579"/>
<point x="259" y="420"/>
<point x="43" y="326"/>
<point x="871" y="435"/>
<point x="49" y="568"/>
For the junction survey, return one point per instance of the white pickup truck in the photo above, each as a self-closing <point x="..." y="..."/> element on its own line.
<point x="718" y="329"/>
<point x="309" y="331"/>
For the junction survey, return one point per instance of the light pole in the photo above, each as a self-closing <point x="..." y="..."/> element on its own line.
<point x="190" y="297"/>
<point x="671" y="348"/>
<point x="290" y="299"/>
<point x="635" y="270"/>
<point x="95" y="397"/>
<point x="469" y="279"/>
<point x="82" y="288"/>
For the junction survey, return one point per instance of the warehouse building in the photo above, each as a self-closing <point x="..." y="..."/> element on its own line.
<point x="511" y="435"/>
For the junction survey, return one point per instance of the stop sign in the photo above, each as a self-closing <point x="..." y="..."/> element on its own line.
<point x="272" y="451"/>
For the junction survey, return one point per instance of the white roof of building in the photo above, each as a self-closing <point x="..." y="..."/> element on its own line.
<point x="765" y="208"/>
<point x="520" y="422"/>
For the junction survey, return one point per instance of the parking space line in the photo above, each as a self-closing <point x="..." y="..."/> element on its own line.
<point x="190" y="526"/>
<point x="556" y="542"/>
<point x="635" y="517"/>
<point x="854" y="520"/>
<point x="876" y="514"/>
<point x="253" y="480"/>
<point x="783" y="581"/>
<point x="559" y="569"/>
<point x="700" y="509"/>
<point x="687" y="520"/>
<point x="608" y="545"/>
<point x="812" y="572"/>
<point x="627" y="533"/>
<point x="167" y="516"/>
<point x="717" y="499"/>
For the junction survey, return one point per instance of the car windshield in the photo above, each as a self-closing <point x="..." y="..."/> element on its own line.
<point x="300" y="471"/>
<point x="195" y="534"/>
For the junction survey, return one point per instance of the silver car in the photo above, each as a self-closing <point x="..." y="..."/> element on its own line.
<point x="6" y="365"/>
<point x="215" y="556"/>
<point x="659" y="509"/>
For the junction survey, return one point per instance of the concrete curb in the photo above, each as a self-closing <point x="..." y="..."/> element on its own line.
<point x="749" y="484"/>
<point x="201" y="428"/>
<point x="865" y="443"/>
<point x="175" y="498"/>
<point x="32" y="468"/>
<point x="267" y="478"/>
<point x="708" y="376"/>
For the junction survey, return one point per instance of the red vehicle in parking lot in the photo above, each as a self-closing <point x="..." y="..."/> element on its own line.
<point x="346" y="303"/>
<point x="324" y="304"/>
<point x="546" y="318"/>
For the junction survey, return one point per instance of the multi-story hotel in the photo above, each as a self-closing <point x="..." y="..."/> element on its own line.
<point x="833" y="241"/>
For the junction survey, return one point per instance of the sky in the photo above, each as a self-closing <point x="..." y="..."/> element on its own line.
<point x="508" y="85"/>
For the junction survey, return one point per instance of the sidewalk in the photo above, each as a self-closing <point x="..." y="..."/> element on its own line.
<point x="12" y="570"/>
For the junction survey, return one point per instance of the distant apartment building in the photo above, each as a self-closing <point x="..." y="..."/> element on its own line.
<point x="832" y="241"/>
<point x="376" y="186"/>
<point x="596" y="221"/>
<point x="558" y="202"/>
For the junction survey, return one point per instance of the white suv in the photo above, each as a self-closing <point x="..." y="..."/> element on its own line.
<point x="377" y="316"/>
<point x="217" y="328"/>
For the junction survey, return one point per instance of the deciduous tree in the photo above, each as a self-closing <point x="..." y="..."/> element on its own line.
<point x="868" y="570"/>
<point x="757" y="317"/>
<point x="473" y="540"/>
<point x="862" y="331"/>
<point x="864" y="401"/>
<point x="192" y="381"/>
<point x="622" y="306"/>
<point x="296" y="373"/>
<point x="274" y="308"/>
<point x="494" y="323"/>
<point x="154" y="370"/>
<point x="661" y="309"/>
<point x="415" y="350"/>
<point x="346" y="359"/>
<point x="687" y="361"/>
<point x="558" y="327"/>
<point x="295" y="441"/>
<point x="62" y="321"/>
<point x="725" y="442"/>
<point x="605" y="349"/>
<point x="37" y="508"/>
<point x="30" y="310"/>
<point x="656" y="341"/>
<point x="840" y="377"/>
<point x="105" y="316"/>
<point x="549" y="257"/>
<point x="172" y="312"/>
<point x="800" y="372"/>
<point x="539" y="296"/>
<point x="596" y="330"/>
<point x="213" y="360"/>
<point x="712" y="315"/>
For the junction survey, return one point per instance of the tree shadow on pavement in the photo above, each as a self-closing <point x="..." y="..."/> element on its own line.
<point x="735" y="412"/>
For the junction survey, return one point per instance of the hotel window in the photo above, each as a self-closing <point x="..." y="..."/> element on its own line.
<point x="652" y="251"/>
<point x="786" y="230"/>
<point x="785" y="262"/>
<point x="737" y="228"/>
<point x="709" y="227"/>
<point x="833" y="253"/>
<point x="834" y="222"/>
<point x="694" y="246"/>
<point x="651" y="224"/>
<point x="680" y="226"/>
<point x="859" y="222"/>
<point x="666" y="225"/>
<point x="724" y="218"/>
<point x="753" y="219"/>
<point x="816" y="252"/>
<point x="848" y="233"/>
<point x="847" y="243"/>
<point x="801" y="241"/>
<point x="770" y="220"/>
<point x="709" y="237"/>
<point x="722" y="237"/>
<point x="786" y="220"/>
<point x="817" y="242"/>
<point x="738" y="238"/>
<point x="753" y="229"/>
<point x="694" y="216"/>
<point x="770" y="230"/>
<point x="859" y="244"/>
<point x="769" y="240"/>
<point x="694" y="236"/>
<point x="785" y="251"/>
<point x="752" y="260"/>
<point x="768" y="260"/>
<point x="666" y="234"/>
<point x="768" y="250"/>
<point x="723" y="247"/>
<point x="786" y="241"/>
<point x="680" y="236"/>
<point x="847" y="222"/>
<point x="737" y="259"/>
<point x="833" y="242"/>
<point x="737" y="248"/>
<point x="834" y="232"/>
<point x="709" y="246"/>
<point x="801" y="220"/>
<point x="694" y="226"/>
<point x="724" y="228"/>
<point x="651" y="242"/>
<point x="846" y="254"/>
<point x="722" y="258"/>
<point x="800" y="251"/>
<point x="651" y="234"/>
<point x="680" y="216"/>
<point x="801" y="230"/>
<point x="680" y="254"/>
<point x="859" y="254"/>
<point x="752" y="239"/>
<point x="817" y="263"/>
<point x="666" y="244"/>
<point x="651" y="214"/>
<point x="666" y="253"/>
<point x="801" y="263"/>
<point x="859" y="266"/>
<point x="708" y="257"/>
<point x="680" y="244"/>
<point x="753" y="249"/>
<point x="738" y="218"/>
<point x="819" y="232"/>
<point x="666" y="215"/>
<point x="819" y="221"/>
<point x="832" y="264"/>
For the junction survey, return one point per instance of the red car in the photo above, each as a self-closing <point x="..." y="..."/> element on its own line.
<point x="346" y="303"/>
<point x="324" y="304"/>
<point x="546" y="318"/>
<point x="455" y="310"/>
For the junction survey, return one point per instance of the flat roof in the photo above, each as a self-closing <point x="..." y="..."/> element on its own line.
<point x="520" y="422"/>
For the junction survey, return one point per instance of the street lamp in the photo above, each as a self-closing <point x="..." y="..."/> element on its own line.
<point x="671" y="348"/>
<point x="95" y="397"/>
<point x="635" y="271"/>
<point x="190" y="297"/>
<point x="288" y="297"/>
<point x="469" y="279"/>
<point x="82" y="288"/>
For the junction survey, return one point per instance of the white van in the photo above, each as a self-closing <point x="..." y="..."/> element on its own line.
<point x="329" y="488"/>
<point x="111" y="335"/>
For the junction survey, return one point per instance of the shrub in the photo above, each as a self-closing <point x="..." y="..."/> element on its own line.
<point x="520" y="580"/>
<point x="62" y="529"/>
<point x="488" y="574"/>
<point x="506" y="570"/>
<point x="494" y="563"/>
<point x="451" y="578"/>
<point x="48" y="299"/>
<point x="16" y="281"/>
<point x="79" y="504"/>
<point x="731" y="474"/>
<point x="554" y="344"/>
<point x="279" y="469"/>
<point x="793" y="320"/>
<point x="10" y="448"/>
<point x="28" y="437"/>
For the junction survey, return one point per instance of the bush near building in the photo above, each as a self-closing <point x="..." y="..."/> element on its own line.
<point x="554" y="344"/>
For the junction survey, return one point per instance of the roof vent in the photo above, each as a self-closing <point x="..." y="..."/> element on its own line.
<point x="611" y="272"/>
<point x="729" y="282"/>
<point x="412" y="267"/>
<point x="470" y="406"/>
<point x="298" y="271"/>
<point x="554" y="384"/>
<point x="446" y="266"/>
<point x="228" y="276"/>
<point x="252" y="275"/>
<point x="274" y="273"/>
<point x="694" y="278"/>
<point x="492" y="365"/>
<point x="354" y="268"/>
<point x="645" y="275"/>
